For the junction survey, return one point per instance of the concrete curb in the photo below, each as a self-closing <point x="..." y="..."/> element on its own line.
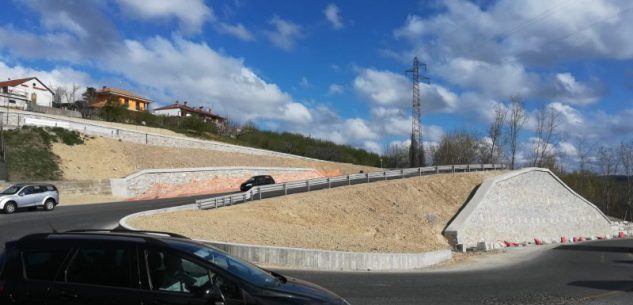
<point x="325" y="260"/>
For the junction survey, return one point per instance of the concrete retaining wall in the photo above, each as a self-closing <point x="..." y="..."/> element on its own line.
<point x="157" y="183"/>
<point x="523" y="205"/>
<point x="18" y="118"/>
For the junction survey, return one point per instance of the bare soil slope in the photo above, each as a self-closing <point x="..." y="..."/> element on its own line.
<point x="390" y="216"/>
<point x="101" y="158"/>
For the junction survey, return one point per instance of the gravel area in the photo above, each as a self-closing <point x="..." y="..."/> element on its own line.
<point x="388" y="216"/>
<point x="101" y="158"/>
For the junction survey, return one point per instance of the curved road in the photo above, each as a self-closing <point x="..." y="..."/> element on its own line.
<point x="589" y="273"/>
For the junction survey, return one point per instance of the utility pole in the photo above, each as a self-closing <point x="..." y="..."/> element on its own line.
<point x="416" y="150"/>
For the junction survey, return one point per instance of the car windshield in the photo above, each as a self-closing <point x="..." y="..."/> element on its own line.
<point x="242" y="269"/>
<point x="11" y="190"/>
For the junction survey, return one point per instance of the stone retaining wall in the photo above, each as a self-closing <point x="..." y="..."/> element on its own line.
<point x="159" y="183"/>
<point x="523" y="205"/>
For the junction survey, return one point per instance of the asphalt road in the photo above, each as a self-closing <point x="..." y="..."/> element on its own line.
<point x="588" y="273"/>
<point x="89" y="216"/>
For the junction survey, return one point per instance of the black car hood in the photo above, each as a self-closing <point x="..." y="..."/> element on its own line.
<point x="306" y="289"/>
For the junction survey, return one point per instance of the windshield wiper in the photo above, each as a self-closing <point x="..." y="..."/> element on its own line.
<point x="280" y="277"/>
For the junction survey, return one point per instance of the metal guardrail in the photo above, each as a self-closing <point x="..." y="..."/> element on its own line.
<point x="257" y="192"/>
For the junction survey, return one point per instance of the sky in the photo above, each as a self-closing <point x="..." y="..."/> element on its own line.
<point x="336" y="69"/>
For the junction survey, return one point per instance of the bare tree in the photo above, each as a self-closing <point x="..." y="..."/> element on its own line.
<point x="515" y="124"/>
<point x="607" y="161"/>
<point x="584" y="150"/>
<point x="625" y="152"/>
<point x="70" y="96"/>
<point x="460" y="147"/>
<point x="547" y="138"/>
<point x="495" y="132"/>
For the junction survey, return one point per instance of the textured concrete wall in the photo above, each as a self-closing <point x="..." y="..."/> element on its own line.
<point x="97" y="128"/>
<point x="523" y="205"/>
<point x="157" y="183"/>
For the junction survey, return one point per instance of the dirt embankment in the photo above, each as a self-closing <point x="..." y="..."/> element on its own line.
<point x="102" y="158"/>
<point x="390" y="216"/>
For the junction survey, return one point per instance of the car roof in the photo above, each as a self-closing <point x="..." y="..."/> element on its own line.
<point x="101" y="235"/>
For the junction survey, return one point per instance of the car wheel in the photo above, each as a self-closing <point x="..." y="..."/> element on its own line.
<point x="49" y="205"/>
<point x="9" y="208"/>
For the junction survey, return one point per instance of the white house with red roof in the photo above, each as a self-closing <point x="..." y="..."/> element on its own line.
<point x="184" y="110"/>
<point x="19" y="93"/>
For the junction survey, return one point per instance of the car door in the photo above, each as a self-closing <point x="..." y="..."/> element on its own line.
<point x="38" y="267"/>
<point x="176" y="279"/>
<point x="25" y="198"/>
<point x="37" y="197"/>
<point x="101" y="273"/>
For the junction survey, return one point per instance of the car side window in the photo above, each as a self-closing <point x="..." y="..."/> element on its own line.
<point x="27" y="190"/>
<point x="171" y="272"/>
<point x="42" y="264"/>
<point x="106" y="266"/>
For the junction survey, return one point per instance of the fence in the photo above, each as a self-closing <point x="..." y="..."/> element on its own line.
<point x="93" y="128"/>
<point x="321" y="183"/>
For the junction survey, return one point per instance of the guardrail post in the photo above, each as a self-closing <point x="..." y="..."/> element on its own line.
<point x="385" y="175"/>
<point x="230" y="200"/>
<point x="259" y="190"/>
<point x="146" y="138"/>
<point x="215" y="202"/>
<point x="437" y="169"/>
<point x="285" y="189"/>
<point x="482" y="167"/>
<point x="402" y="173"/>
<point x="453" y="168"/>
<point x="349" y="182"/>
<point x="367" y="177"/>
<point x="251" y="190"/>
<point x="468" y="167"/>
<point x="243" y="197"/>
<point x="329" y="183"/>
<point x="419" y="172"/>
<point x="308" y="184"/>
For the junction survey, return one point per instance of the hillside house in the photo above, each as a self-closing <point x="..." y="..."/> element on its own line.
<point x="20" y="93"/>
<point x="184" y="110"/>
<point x="133" y="101"/>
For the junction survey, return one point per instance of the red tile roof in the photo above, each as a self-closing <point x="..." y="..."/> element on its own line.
<point x="190" y="109"/>
<point x="15" y="82"/>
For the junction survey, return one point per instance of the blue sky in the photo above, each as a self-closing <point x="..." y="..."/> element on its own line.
<point x="335" y="69"/>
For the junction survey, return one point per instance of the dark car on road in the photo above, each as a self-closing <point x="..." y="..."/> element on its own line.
<point x="107" y="267"/>
<point x="256" y="181"/>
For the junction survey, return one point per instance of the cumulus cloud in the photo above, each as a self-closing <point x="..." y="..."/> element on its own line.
<point x="332" y="15"/>
<point x="386" y="88"/>
<point x="59" y="76"/>
<point x="285" y="33"/>
<point x="191" y="14"/>
<point x="201" y="74"/>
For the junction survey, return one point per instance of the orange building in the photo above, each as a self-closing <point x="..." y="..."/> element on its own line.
<point x="133" y="101"/>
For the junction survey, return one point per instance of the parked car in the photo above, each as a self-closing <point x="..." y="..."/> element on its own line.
<point x="123" y="268"/>
<point x="31" y="196"/>
<point x="256" y="181"/>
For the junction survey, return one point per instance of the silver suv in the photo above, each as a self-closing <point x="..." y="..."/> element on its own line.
<point x="28" y="196"/>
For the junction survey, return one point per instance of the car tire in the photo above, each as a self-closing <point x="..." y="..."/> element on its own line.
<point x="9" y="208"/>
<point x="49" y="205"/>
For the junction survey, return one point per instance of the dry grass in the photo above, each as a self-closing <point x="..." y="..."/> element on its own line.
<point x="102" y="158"/>
<point x="390" y="216"/>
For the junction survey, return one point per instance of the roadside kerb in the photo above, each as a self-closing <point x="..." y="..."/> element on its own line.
<point x="314" y="259"/>
<point x="256" y="193"/>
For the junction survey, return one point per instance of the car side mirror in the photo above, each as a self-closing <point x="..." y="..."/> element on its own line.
<point x="214" y="295"/>
<point x="21" y="194"/>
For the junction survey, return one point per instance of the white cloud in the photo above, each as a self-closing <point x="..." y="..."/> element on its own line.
<point x="59" y="76"/>
<point x="372" y="146"/>
<point x="191" y="14"/>
<point x="236" y="30"/>
<point x="385" y="88"/>
<point x="285" y="33"/>
<point x="332" y="15"/>
<point x="182" y="69"/>
<point x="304" y="82"/>
<point x="335" y="89"/>
<point x="359" y="130"/>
